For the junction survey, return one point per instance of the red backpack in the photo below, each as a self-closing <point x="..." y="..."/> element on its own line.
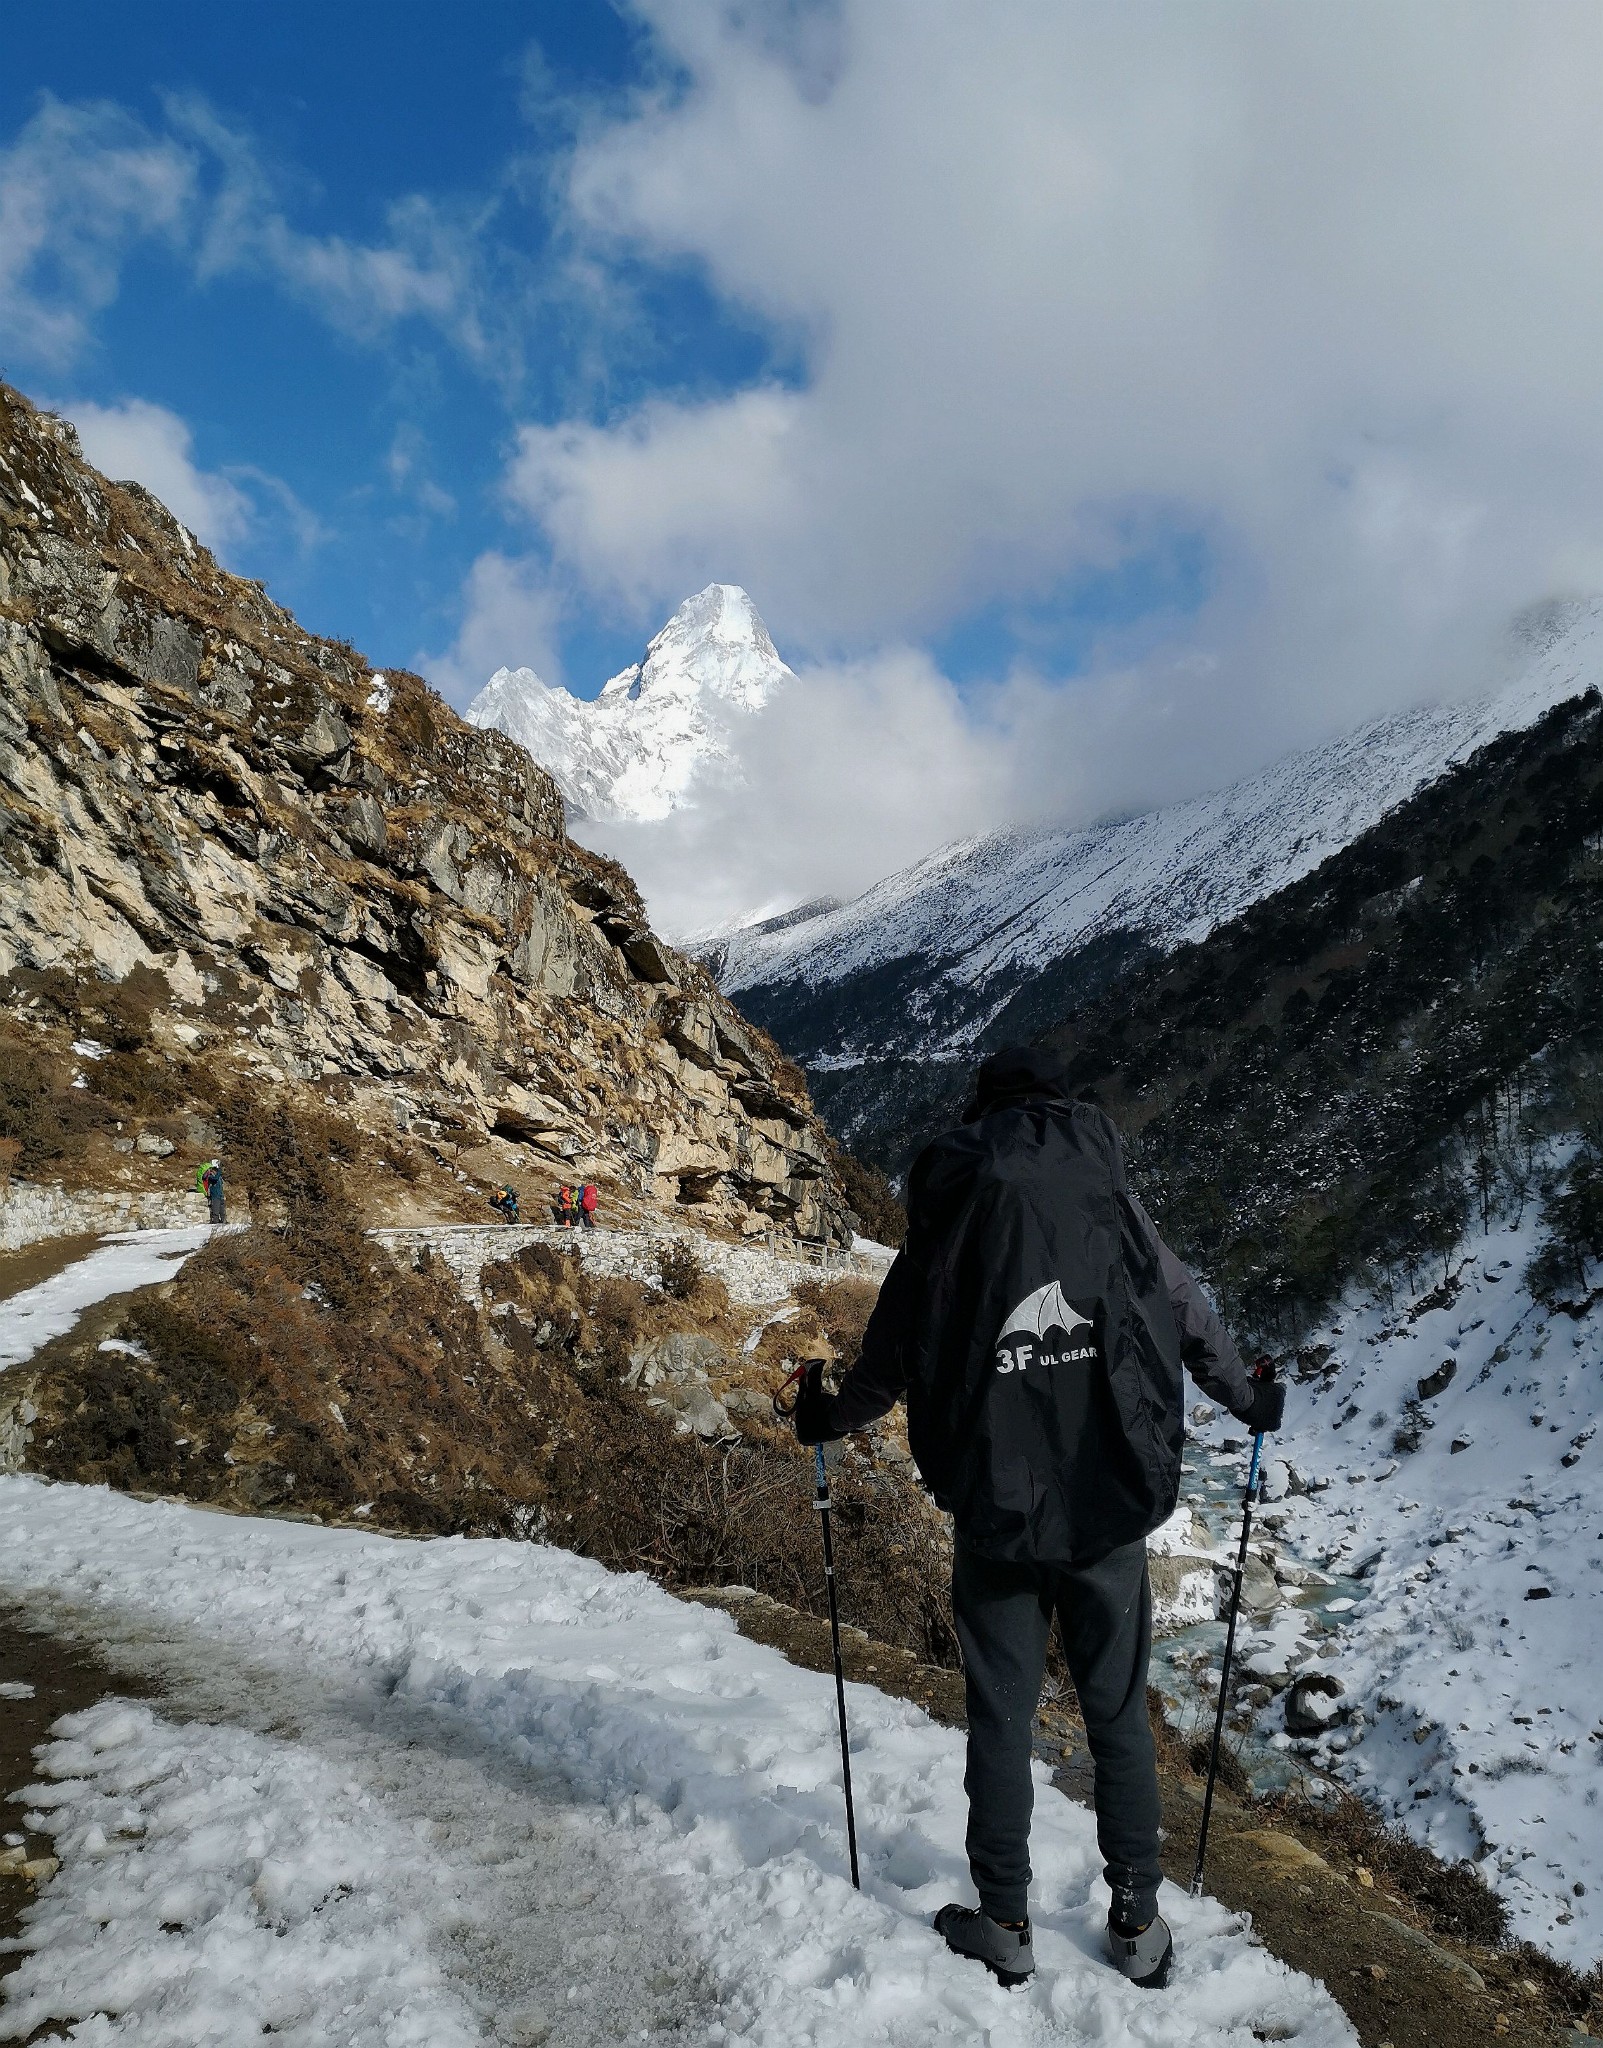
<point x="587" y="1199"/>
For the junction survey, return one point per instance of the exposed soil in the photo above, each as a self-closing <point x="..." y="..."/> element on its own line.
<point x="1399" y="1981"/>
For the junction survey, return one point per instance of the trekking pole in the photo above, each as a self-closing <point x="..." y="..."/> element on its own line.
<point x="1264" y="1370"/>
<point x="821" y="1506"/>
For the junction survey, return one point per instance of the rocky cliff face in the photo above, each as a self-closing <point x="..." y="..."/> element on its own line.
<point x="343" y="886"/>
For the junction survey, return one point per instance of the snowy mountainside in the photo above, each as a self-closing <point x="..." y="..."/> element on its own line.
<point x="987" y="910"/>
<point x="1452" y="1445"/>
<point x="637" y="751"/>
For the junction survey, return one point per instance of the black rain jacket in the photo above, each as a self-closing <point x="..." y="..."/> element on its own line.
<point x="1037" y="1326"/>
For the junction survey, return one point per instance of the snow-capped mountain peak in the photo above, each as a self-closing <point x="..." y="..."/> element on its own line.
<point x="659" y="726"/>
<point x="715" y="644"/>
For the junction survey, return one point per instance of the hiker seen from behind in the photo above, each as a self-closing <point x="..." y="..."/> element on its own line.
<point x="1036" y="1325"/>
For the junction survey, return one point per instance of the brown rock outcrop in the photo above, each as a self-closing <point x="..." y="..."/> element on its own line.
<point x="345" y="886"/>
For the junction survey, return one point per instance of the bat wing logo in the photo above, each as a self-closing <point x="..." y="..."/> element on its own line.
<point x="1046" y="1309"/>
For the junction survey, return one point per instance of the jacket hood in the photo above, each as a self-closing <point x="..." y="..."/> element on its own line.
<point x="1019" y="1073"/>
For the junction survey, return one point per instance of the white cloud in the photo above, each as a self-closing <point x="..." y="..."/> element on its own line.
<point x="77" y="187"/>
<point x="154" y="447"/>
<point x="84" y="183"/>
<point x="849" y="771"/>
<point x="510" y="618"/>
<point x="1325" y="284"/>
<point x="427" y="269"/>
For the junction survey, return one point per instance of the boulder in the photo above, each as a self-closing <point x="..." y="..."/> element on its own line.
<point x="1259" y="1592"/>
<point x="682" y="1357"/>
<point x="1439" y="1381"/>
<point x="695" y="1407"/>
<point x="1313" y="1703"/>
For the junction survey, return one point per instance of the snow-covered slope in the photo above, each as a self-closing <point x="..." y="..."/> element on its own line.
<point x="637" y="751"/>
<point x="981" y="917"/>
<point x="1472" y="1664"/>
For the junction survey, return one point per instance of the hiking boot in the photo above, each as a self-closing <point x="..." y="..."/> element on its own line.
<point x="1005" y="1951"/>
<point x="1143" y="1954"/>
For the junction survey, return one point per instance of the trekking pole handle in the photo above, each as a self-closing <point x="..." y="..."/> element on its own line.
<point x="784" y="1400"/>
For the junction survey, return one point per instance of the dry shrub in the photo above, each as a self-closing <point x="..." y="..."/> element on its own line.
<point x="1454" y="1896"/>
<point x="121" y="1012"/>
<point x="44" y="1116"/>
<point x="679" y="1270"/>
<point x="841" y="1309"/>
<point x="300" y="1365"/>
<point x="290" y="1370"/>
<point x="694" y="1514"/>
<point x="1577" y="1995"/>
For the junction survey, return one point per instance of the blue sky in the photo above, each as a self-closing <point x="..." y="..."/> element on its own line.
<point x="1098" y="401"/>
<point x="367" y="452"/>
<point x="392" y="439"/>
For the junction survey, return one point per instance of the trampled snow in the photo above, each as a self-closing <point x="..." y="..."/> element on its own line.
<point x="979" y="914"/>
<point x="135" y="1258"/>
<point x="458" y="1791"/>
<point x="639" y="749"/>
<point x="1474" y="1656"/>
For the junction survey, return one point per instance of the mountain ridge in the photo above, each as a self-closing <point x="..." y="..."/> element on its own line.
<point x="997" y="937"/>
<point x="307" y="876"/>
<point x="657" y="728"/>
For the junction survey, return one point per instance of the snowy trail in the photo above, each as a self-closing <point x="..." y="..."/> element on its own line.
<point x="469" y="1737"/>
<point x="134" y="1258"/>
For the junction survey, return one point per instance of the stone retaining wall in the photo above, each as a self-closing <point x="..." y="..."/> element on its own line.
<point x="753" y="1274"/>
<point x="33" y="1211"/>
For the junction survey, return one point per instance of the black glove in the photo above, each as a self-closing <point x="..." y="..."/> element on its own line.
<point x="1267" y="1409"/>
<point x="813" y="1418"/>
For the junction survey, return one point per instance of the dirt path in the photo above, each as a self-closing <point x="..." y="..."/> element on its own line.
<point x="63" y="1677"/>
<point x="43" y="1261"/>
<point x="1399" y="1980"/>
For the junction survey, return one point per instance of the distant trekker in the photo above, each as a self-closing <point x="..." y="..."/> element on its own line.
<point x="1036" y="1325"/>
<point x="210" y="1182"/>
<point x="564" y="1208"/>
<point x="588" y="1198"/>
<point x="505" y="1204"/>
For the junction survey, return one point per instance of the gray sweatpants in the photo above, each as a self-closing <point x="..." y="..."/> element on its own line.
<point x="1004" y="1617"/>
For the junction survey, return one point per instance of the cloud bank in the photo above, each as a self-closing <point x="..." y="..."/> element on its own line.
<point x="1322" y="287"/>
